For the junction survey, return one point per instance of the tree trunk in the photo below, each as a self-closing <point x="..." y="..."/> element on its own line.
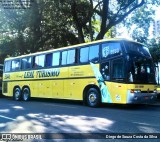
<point x="104" y="20"/>
<point x="77" y="23"/>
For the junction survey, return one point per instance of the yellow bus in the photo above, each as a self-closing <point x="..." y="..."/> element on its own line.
<point x="106" y="71"/>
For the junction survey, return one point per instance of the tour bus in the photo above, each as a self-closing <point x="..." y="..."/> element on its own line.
<point x="116" y="71"/>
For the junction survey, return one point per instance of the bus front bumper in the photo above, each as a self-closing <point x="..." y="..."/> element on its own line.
<point x="141" y="98"/>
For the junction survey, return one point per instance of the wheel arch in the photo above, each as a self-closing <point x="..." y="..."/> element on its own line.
<point x="26" y="86"/>
<point x="86" y="89"/>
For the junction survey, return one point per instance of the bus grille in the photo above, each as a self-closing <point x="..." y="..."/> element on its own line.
<point x="147" y="91"/>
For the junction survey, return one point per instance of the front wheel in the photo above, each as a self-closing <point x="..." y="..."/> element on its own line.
<point x="17" y="94"/>
<point x="93" y="97"/>
<point x="26" y="94"/>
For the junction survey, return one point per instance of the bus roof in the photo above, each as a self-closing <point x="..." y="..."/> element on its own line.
<point x="71" y="46"/>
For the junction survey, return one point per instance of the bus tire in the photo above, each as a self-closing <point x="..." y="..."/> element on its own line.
<point x="26" y="94"/>
<point x="93" y="97"/>
<point x="17" y="94"/>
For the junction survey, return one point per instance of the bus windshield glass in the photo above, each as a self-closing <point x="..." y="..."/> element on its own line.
<point x="136" y="48"/>
<point x="141" y="71"/>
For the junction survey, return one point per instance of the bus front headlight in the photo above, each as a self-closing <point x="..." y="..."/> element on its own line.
<point x="135" y="91"/>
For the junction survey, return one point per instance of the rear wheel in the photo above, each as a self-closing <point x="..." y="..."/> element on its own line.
<point x="26" y="94"/>
<point x="17" y="94"/>
<point x="93" y="97"/>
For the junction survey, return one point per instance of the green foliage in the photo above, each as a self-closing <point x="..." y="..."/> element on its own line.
<point x="53" y="24"/>
<point x="139" y="23"/>
<point x="154" y="47"/>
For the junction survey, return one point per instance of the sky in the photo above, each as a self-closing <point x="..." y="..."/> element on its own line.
<point x="158" y="14"/>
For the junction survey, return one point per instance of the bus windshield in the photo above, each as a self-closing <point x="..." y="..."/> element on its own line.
<point x="141" y="71"/>
<point x="136" y="48"/>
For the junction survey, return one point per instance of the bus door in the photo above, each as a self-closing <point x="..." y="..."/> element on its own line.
<point x="118" y="87"/>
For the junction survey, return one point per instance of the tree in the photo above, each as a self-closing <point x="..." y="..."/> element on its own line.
<point x="10" y="33"/>
<point x="24" y="28"/>
<point x="53" y="24"/>
<point x="139" y="22"/>
<point x="154" y="47"/>
<point x="112" y="12"/>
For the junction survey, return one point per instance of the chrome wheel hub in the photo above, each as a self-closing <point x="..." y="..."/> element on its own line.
<point x="25" y="96"/>
<point x="92" y="97"/>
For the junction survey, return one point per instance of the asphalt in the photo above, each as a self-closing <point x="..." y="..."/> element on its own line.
<point x="156" y="103"/>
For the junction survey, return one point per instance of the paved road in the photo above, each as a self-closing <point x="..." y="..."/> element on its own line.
<point x="53" y="116"/>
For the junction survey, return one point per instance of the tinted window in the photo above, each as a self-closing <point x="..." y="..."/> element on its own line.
<point x="39" y="61"/>
<point x="49" y="60"/>
<point x="26" y="63"/>
<point x="84" y="54"/>
<point x="52" y="59"/>
<point x="15" y="65"/>
<point x="55" y="60"/>
<point x="7" y="67"/>
<point x="141" y="70"/>
<point x="64" y="57"/>
<point x="94" y="53"/>
<point x="90" y="53"/>
<point x="118" y="70"/>
<point x="71" y="57"/>
<point x="132" y="47"/>
<point x="111" y="49"/>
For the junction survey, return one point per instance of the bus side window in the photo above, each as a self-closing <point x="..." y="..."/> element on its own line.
<point x="64" y="58"/>
<point x="94" y="53"/>
<point x="49" y="60"/>
<point x="26" y="63"/>
<point x="16" y="65"/>
<point x="84" y="54"/>
<point x="7" y="67"/>
<point x="117" y="69"/>
<point x="71" y="56"/>
<point x="56" y="59"/>
<point x="52" y="59"/>
<point x="38" y="61"/>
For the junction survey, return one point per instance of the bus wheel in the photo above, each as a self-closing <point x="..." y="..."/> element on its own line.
<point x="93" y="97"/>
<point x="26" y="94"/>
<point x="17" y="94"/>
